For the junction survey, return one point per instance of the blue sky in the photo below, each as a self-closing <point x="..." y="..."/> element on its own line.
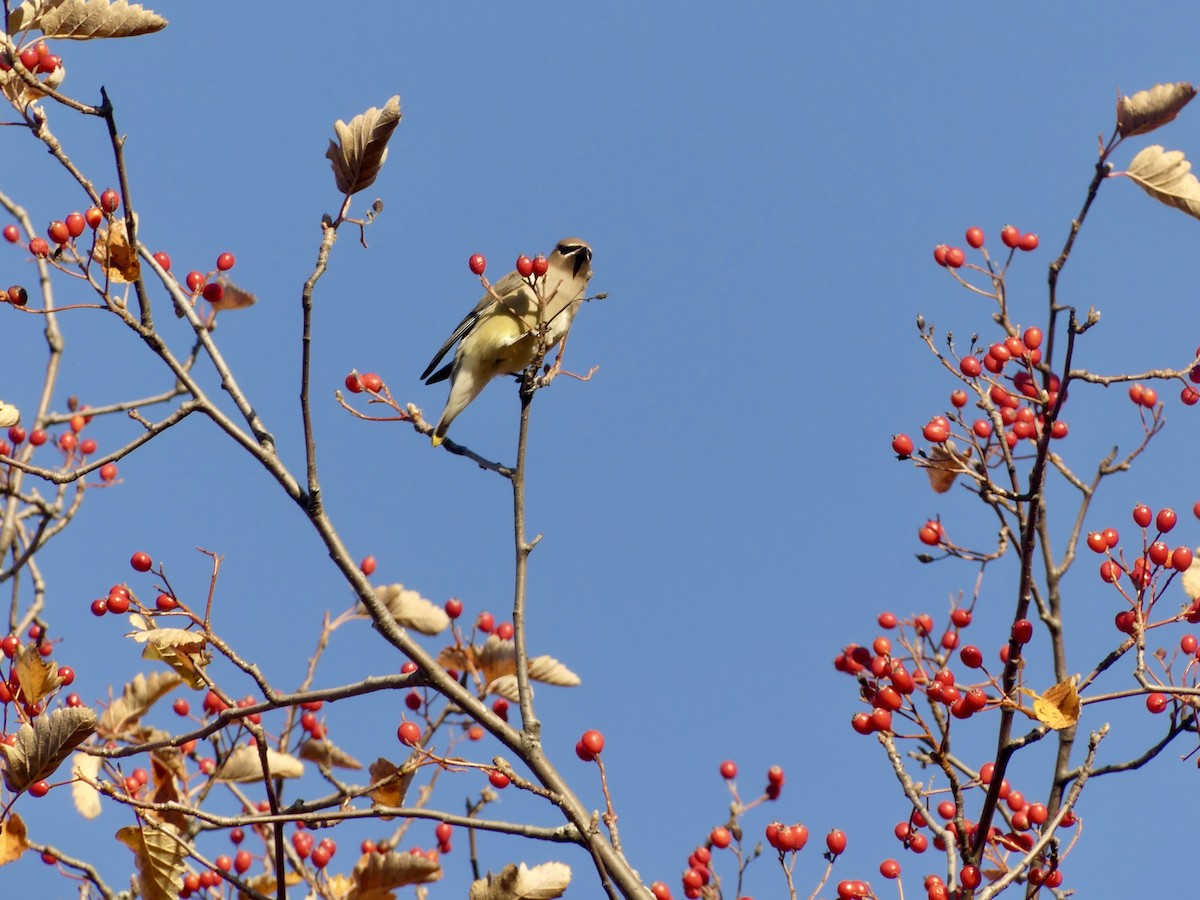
<point x="762" y="187"/>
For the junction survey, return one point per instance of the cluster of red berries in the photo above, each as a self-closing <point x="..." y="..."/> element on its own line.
<point x="1157" y="556"/>
<point x="37" y="58"/>
<point x="62" y="232"/>
<point x="11" y="690"/>
<point x="198" y="282"/>
<point x="589" y="745"/>
<point x="955" y="257"/>
<point x="69" y="442"/>
<point x="369" y="382"/>
<point x="303" y="843"/>
<point x="526" y="267"/>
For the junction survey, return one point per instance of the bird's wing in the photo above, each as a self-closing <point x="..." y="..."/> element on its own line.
<point x="503" y="287"/>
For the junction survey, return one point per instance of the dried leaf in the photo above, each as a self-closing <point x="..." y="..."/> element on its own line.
<point x="12" y="839"/>
<point x="135" y="701"/>
<point x="361" y="147"/>
<point x="390" y="783"/>
<point x="542" y="882"/>
<point x="232" y="296"/>
<point x="265" y="883"/>
<point x="85" y="20"/>
<point x="184" y="651"/>
<point x="9" y="415"/>
<point x="1191" y="578"/>
<point x="411" y="610"/>
<point x="1058" y="707"/>
<point x="505" y="686"/>
<point x="159" y="859"/>
<point x="387" y="871"/>
<point x="37" y="677"/>
<point x="114" y="252"/>
<point x="243" y="765"/>
<point x="944" y="463"/>
<point x="167" y="767"/>
<point x="43" y="744"/>
<point x="1167" y="177"/>
<point x="325" y="753"/>
<point x="86" y="797"/>
<point x="549" y="670"/>
<point x="1147" y="110"/>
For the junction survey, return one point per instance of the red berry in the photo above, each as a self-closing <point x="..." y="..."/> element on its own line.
<point x="902" y="445"/>
<point x="477" y="263"/>
<point x="1028" y="242"/>
<point x="10" y="645"/>
<point x="93" y="217"/>
<point x="29" y="58"/>
<point x="320" y="857"/>
<point x="213" y="292"/>
<point x="524" y="266"/>
<point x="1157" y="702"/>
<point x="141" y="562"/>
<point x="729" y="770"/>
<point x="971" y="656"/>
<point x="12" y="234"/>
<point x="163" y="260"/>
<point x="75" y="224"/>
<point x="975" y="237"/>
<point x="889" y="868"/>
<point x="955" y="257"/>
<point x="165" y="603"/>
<point x="353" y="383"/>
<point x="110" y="200"/>
<point x="38" y="247"/>
<point x="1010" y="236"/>
<point x="1111" y="537"/>
<point x="454" y="607"/>
<point x="1032" y="338"/>
<point x="540" y="266"/>
<point x="505" y="631"/>
<point x="836" y="842"/>
<point x="225" y="262"/>
<point x="1022" y="631"/>
<point x="497" y="778"/>
<point x="108" y="472"/>
<point x="57" y="232"/>
<point x="66" y="674"/>
<point x="99" y="607"/>
<point x="720" y="837"/>
<point x="242" y="862"/>
<point x="1189" y="395"/>
<point x="959" y="398"/>
<point x="39" y="789"/>
<point x="939" y="254"/>
<point x="592" y="741"/>
<point x="194" y="281"/>
<point x="371" y="382"/>
<point x="485" y="622"/>
<point x="775" y="775"/>
<point x="367" y="566"/>
<point x="1165" y="520"/>
<point x="409" y="733"/>
<point x="1181" y="559"/>
<point x="937" y="431"/>
<point x="181" y="707"/>
<point x="970" y="366"/>
<point x="1095" y="541"/>
<point x="1142" y="515"/>
<point x="412" y="700"/>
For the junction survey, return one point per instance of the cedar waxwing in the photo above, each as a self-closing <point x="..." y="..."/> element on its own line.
<point x="501" y="338"/>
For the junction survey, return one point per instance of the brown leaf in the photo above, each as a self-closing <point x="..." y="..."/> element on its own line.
<point x="1167" y="177"/>
<point x="12" y="839"/>
<point x="158" y="857"/>
<point x="38" y="677"/>
<point x="114" y="252"/>
<point x="361" y="147"/>
<point x="325" y="753"/>
<point x="232" y="296"/>
<point x="183" y="650"/>
<point x="43" y="744"/>
<point x="544" y="882"/>
<point x="167" y="767"/>
<point x="86" y="797"/>
<point x="411" y="610"/>
<point x="1059" y="707"/>
<point x="390" y="783"/>
<point x="84" y="20"/>
<point x="244" y="765"/>
<point x="135" y="701"/>
<point x="944" y="464"/>
<point x="386" y="871"/>
<point x="1147" y="110"/>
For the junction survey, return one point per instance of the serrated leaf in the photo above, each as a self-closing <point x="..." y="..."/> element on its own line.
<point x="184" y="651"/>
<point x="1167" y="177"/>
<point x="158" y="857"/>
<point x="86" y="797"/>
<point x="544" y="882"/>
<point x="26" y="15"/>
<point x="1144" y="111"/>
<point x="361" y="147"/>
<point x="12" y="839"/>
<point x="1058" y="708"/>
<point x="325" y="753"/>
<point x="135" y="701"/>
<point x="411" y="610"/>
<point x="43" y="744"/>
<point x="387" y="871"/>
<point x="390" y="783"/>
<point x="243" y="765"/>
<point x="37" y="677"/>
<point x="9" y="415"/>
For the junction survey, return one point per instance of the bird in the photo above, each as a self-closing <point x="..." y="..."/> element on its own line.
<point x="499" y="337"/>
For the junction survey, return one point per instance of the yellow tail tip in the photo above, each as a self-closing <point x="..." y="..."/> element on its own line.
<point x="437" y="440"/>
